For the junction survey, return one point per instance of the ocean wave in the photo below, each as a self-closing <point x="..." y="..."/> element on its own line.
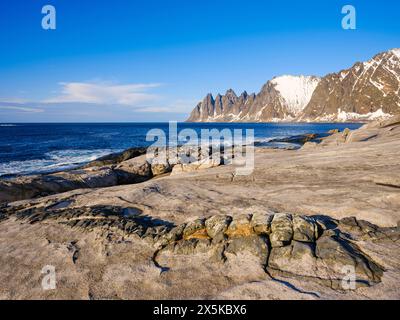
<point x="53" y="161"/>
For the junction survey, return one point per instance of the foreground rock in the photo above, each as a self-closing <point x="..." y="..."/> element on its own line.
<point x="315" y="248"/>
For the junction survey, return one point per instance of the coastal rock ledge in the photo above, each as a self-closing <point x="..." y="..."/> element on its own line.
<point x="311" y="248"/>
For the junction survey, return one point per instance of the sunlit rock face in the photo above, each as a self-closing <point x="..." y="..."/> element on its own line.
<point x="366" y="91"/>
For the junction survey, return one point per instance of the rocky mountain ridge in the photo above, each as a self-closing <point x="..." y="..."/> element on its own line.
<point x="366" y="91"/>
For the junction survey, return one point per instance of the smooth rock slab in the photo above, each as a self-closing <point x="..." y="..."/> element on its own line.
<point x="254" y="244"/>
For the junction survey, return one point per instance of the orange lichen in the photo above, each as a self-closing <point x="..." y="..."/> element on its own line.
<point x="242" y="230"/>
<point x="198" y="234"/>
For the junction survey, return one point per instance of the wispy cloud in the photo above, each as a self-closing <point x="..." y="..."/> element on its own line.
<point x="178" y="106"/>
<point x="21" y="109"/>
<point x="105" y="93"/>
<point x="153" y="109"/>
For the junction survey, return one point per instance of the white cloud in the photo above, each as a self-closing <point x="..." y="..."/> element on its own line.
<point x="153" y="109"/>
<point x="105" y="93"/>
<point x="21" y="109"/>
<point x="178" y="106"/>
<point x="13" y="100"/>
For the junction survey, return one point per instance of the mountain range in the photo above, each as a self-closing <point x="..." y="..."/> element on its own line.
<point x="366" y="91"/>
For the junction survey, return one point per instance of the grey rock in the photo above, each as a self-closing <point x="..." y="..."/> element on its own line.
<point x="304" y="229"/>
<point x="254" y="244"/>
<point x="195" y="229"/>
<point x="217" y="225"/>
<point x="281" y="230"/>
<point x="337" y="254"/>
<point x="240" y="226"/>
<point x="261" y="223"/>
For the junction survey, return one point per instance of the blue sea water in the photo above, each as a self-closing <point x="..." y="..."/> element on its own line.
<point x="38" y="148"/>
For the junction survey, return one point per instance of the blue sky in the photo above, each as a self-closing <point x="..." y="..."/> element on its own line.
<point x="128" y="60"/>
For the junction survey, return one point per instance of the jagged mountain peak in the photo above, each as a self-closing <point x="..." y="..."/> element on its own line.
<point x="230" y="92"/>
<point x="366" y="91"/>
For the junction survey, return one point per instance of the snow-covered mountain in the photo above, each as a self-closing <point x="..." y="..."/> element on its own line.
<point x="366" y="91"/>
<point x="296" y="91"/>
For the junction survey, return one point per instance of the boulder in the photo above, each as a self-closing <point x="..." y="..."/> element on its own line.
<point x="305" y="229"/>
<point x="286" y="245"/>
<point x="194" y="166"/>
<point x="298" y="258"/>
<point x="338" y="255"/>
<point x="240" y="227"/>
<point x="160" y="168"/>
<point x="328" y="262"/>
<point x="261" y="223"/>
<point x="195" y="229"/>
<point x="116" y="158"/>
<point x="281" y="230"/>
<point x="133" y="170"/>
<point x="216" y="226"/>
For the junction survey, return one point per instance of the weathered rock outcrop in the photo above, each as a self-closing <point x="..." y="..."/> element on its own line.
<point x="313" y="248"/>
<point x="128" y="167"/>
<point x="371" y="131"/>
<point x="116" y="158"/>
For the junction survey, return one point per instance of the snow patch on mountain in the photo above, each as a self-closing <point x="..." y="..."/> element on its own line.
<point x="296" y="90"/>
<point x="396" y="52"/>
<point x="349" y="116"/>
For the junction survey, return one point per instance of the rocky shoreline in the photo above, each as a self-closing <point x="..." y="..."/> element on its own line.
<point x="290" y="230"/>
<point x="126" y="167"/>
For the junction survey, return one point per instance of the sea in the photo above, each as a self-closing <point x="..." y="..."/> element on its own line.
<point x="33" y="148"/>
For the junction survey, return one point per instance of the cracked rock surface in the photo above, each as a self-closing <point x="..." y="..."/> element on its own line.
<point x="315" y="249"/>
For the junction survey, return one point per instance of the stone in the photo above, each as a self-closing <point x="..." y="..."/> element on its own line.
<point x="117" y="157"/>
<point x="281" y="230"/>
<point x="196" y="165"/>
<point x="261" y="223"/>
<point x="160" y="168"/>
<point x="304" y="229"/>
<point x="195" y="229"/>
<point x="240" y="226"/>
<point x="253" y="244"/>
<point x="338" y="254"/>
<point x="160" y="164"/>
<point x="134" y="170"/>
<point x="216" y="225"/>
<point x="298" y="259"/>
